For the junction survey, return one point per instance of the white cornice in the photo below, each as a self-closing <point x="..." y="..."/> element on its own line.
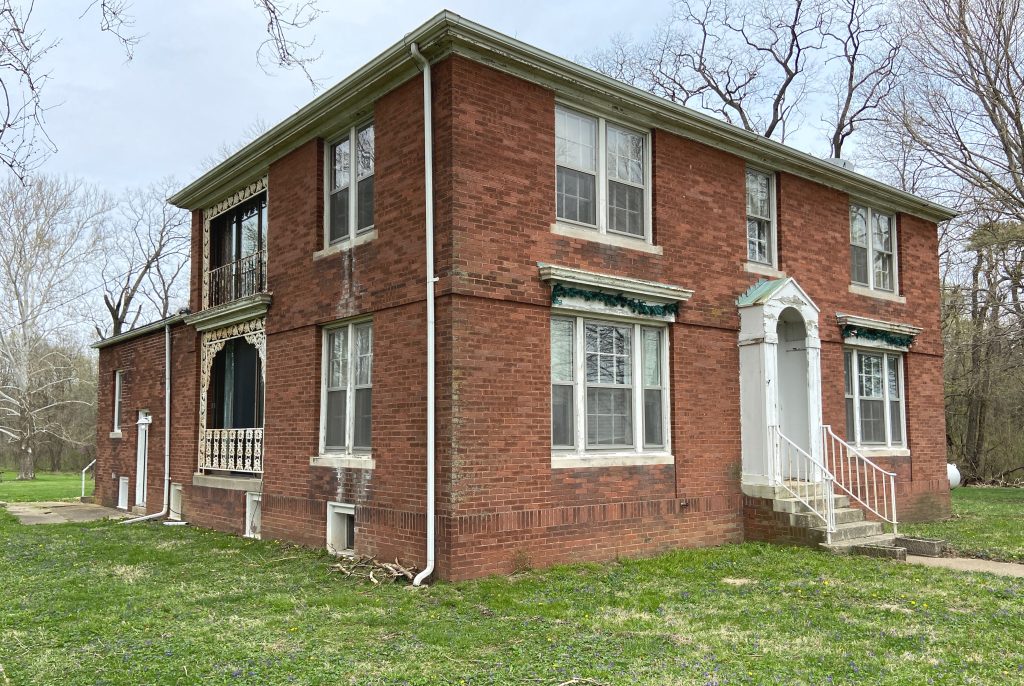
<point x="649" y="290"/>
<point x="230" y="313"/>
<point x="448" y="33"/>
<point x="877" y="324"/>
<point x="140" y="331"/>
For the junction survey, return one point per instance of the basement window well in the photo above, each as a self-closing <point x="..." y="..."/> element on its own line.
<point x="341" y="528"/>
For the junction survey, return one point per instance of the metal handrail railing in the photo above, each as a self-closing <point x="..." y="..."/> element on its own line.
<point x="244" y="277"/>
<point x="815" y="481"/>
<point x="84" y="470"/>
<point x="859" y="477"/>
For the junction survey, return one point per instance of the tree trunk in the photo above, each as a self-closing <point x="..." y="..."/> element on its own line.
<point x="26" y="464"/>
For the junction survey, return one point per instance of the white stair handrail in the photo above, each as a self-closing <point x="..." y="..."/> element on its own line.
<point x="805" y="469"/>
<point x="87" y="468"/>
<point x="859" y="477"/>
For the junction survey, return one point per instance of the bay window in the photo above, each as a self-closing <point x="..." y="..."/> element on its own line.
<point x="609" y="389"/>
<point x="347" y="384"/>
<point x="602" y="176"/>
<point x="874" y="398"/>
<point x="872" y="248"/>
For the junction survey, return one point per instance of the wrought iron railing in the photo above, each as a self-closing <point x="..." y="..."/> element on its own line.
<point x="238" y="279"/>
<point x="234" y="450"/>
<point x="807" y="480"/>
<point x="860" y="478"/>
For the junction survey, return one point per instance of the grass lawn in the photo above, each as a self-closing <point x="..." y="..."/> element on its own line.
<point x="986" y="523"/>
<point x="104" y="603"/>
<point x="46" y="486"/>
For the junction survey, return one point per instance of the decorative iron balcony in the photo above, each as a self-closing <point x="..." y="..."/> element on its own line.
<point x="233" y="450"/>
<point x="238" y="279"/>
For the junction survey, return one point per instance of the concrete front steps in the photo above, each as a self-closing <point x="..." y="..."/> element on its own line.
<point x="853" y="535"/>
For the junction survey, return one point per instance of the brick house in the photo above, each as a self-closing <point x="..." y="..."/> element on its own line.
<point x="650" y="329"/>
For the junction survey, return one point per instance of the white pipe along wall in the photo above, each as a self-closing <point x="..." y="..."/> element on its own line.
<point x="428" y="182"/>
<point x="167" y="431"/>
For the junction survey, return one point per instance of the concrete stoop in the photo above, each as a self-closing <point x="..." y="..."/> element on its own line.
<point x="853" y="534"/>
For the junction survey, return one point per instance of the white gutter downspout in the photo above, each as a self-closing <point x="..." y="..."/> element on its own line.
<point x="167" y="432"/>
<point x="428" y="177"/>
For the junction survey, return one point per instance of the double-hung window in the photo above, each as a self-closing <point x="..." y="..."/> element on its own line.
<point x="347" y="388"/>
<point x="117" y="401"/>
<point x="760" y="217"/>
<point x="602" y="174"/>
<point x="874" y="398"/>
<point x="609" y="389"/>
<point x="872" y="248"/>
<point x="350" y="202"/>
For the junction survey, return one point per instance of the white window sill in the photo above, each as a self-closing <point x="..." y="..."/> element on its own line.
<point x="578" y="461"/>
<point x="882" y="451"/>
<point x="872" y="293"/>
<point x="763" y="270"/>
<point x="228" y="483"/>
<point x="345" y="244"/>
<point x="346" y="461"/>
<point x="596" y="236"/>
<point x="116" y="434"/>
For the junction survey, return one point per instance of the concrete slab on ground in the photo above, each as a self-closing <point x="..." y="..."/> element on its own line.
<point x="969" y="564"/>
<point x="62" y="512"/>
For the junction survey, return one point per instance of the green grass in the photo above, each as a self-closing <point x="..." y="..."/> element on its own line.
<point x="46" y="486"/>
<point x="986" y="523"/>
<point x="104" y="603"/>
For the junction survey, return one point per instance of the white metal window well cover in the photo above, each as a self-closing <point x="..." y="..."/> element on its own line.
<point x="607" y="294"/>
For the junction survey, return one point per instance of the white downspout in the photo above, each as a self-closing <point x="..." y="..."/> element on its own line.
<point x="428" y="178"/>
<point x="167" y="432"/>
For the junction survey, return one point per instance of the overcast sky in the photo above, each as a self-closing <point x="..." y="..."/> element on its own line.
<point x="194" y="82"/>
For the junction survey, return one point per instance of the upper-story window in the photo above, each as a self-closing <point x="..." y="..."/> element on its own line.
<point x="760" y="217"/>
<point x="238" y="239"/>
<point x="350" y="185"/>
<point x="872" y="248"/>
<point x="602" y="174"/>
<point x="118" y="375"/>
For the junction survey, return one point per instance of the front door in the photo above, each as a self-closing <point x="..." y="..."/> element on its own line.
<point x="793" y="409"/>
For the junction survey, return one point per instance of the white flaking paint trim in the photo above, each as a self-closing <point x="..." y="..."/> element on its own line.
<point x="857" y="289"/>
<point x="343" y="461"/>
<point x="559" y="461"/>
<point x="651" y="290"/>
<point x="877" y="324"/>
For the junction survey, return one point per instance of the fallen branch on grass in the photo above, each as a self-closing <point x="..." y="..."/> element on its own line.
<point x="366" y="567"/>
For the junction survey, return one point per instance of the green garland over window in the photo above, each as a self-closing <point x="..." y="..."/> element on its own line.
<point x="895" y="339"/>
<point x="558" y="291"/>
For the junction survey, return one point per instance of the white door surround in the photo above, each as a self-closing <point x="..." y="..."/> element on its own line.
<point x="780" y="376"/>
<point x="142" y="456"/>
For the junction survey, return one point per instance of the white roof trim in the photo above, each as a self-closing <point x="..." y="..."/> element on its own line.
<point x="236" y="311"/>
<point x="877" y="324"/>
<point x="137" y="332"/>
<point x="649" y="290"/>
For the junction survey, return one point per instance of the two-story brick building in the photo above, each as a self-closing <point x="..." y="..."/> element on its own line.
<point x="645" y="327"/>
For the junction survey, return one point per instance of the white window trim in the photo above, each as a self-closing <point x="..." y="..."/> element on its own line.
<point x="352" y="238"/>
<point x="869" y="288"/>
<point x="579" y="455"/>
<point x="339" y="508"/>
<point x="773" y="242"/>
<point x="116" y="419"/>
<point x="350" y="456"/>
<point x="889" y="448"/>
<point x="600" y="232"/>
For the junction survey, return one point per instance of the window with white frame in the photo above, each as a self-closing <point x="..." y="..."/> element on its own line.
<point x="760" y="217"/>
<point x="346" y="398"/>
<point x="609" y="387"/>
<point x="602" y="177"/>
<point x="117" y="400"/>
<point x="872" y="248"/>
<point x="350" y="185"/>
<point x="875" y="414"/>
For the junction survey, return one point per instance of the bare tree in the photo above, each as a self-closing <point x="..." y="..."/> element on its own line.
<point x="145" y="259"/>
<point x="865" y="68"/>
<point x="24" y="143"/>
<point x="963" y="102"/>
<point x="50" y="232"/>
<point x="756" y="63"/>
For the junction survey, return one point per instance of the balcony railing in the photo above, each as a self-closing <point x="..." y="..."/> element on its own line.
<point x="238" y="279"/>
<point x="233" y="450"/>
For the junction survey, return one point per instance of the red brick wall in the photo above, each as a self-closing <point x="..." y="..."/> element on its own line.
<point x="500" y="504"/>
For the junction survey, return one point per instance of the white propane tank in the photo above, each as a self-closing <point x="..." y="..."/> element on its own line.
<point x="954" y="475"/>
